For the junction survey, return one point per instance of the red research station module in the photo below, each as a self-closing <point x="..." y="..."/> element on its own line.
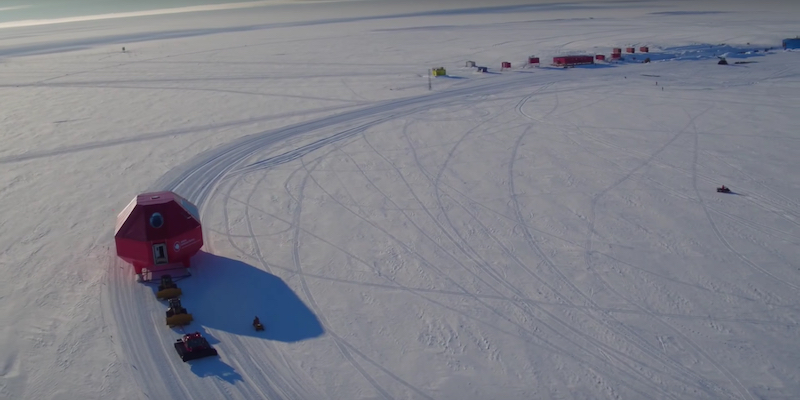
<point x="158" y="230"/>
<point x="568" y="61"/>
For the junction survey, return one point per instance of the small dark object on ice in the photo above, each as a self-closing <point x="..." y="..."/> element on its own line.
<point x="723" y="189"/>
<point x="193" y="346"/>
<point x="257" y="324"/>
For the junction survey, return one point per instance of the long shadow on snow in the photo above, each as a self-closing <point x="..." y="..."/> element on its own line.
<point x="211" y="366"/>
<point x="226" y="294"/>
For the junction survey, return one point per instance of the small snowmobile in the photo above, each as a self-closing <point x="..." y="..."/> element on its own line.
<point x="258" y="325"/>
<point x="723" y="189"/>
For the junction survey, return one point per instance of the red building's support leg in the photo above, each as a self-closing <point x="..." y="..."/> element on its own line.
<point x="138" y="269"/>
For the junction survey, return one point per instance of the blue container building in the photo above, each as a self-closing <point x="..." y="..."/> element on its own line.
<point x="791" y="43"/>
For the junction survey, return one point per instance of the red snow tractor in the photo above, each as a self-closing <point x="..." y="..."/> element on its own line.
<point x="193" y="346"/>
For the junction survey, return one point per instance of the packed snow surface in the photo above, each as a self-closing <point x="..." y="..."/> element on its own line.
<point x="532" y="233"/>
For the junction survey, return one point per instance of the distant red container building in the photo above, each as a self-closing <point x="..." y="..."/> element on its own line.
<point x="505" y="65"/>
<point x="569" y="61"/>
<point x="616" y="50"/>
<point x="600" y="57"/>
<point x="644" y="49"/>
<point x="630" y="50"/>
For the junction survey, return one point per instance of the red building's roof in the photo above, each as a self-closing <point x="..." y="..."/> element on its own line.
<point x="156" y="216"/>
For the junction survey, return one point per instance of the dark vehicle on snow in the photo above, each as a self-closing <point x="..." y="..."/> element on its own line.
<point x="193" y="346"/>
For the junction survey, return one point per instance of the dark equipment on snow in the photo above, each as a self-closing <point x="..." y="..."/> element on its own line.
<point x="257" y="324"/>
<point x="176" y="314"/>
<point x="723" y="189"/>
<point x="168" y="289"/>
<point x="193" y="346"/>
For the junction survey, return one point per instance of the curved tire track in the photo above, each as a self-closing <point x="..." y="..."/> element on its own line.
<point x="142" y="341"/>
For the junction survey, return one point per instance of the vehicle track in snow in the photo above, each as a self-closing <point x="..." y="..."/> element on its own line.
<point x="726" y="372"/>
<point x="791" y="217"/>
<point x="429" y="264"/>
<point x="735" y="382"/>
<point x="517" y="299"/>
<point x="273" y="382"/>
<point x="643" y="345"/>
<point x="632" y="365"/>
<point x="341" y="344"/>
<point x="689" y="375"/>
<point x="204" y="177"/>
<point x="463" y="245"/>
<point x="344" y="346"/>
<point x="639" y="342"/>
<point x="609" y="321"/>
<point x="145" y="345"/>
<point x="767" y="204"/>
<point x="483" y="264"/>
<point x="695" y="175"/>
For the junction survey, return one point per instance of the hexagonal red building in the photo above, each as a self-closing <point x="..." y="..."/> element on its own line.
<point x="158" y="231"/>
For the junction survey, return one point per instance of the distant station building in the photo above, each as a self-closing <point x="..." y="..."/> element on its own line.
<point x="571" y="61"/>
<point x="791" y="43"/>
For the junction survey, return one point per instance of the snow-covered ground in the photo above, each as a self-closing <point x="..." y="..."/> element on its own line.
<point x="521" y="234"/>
